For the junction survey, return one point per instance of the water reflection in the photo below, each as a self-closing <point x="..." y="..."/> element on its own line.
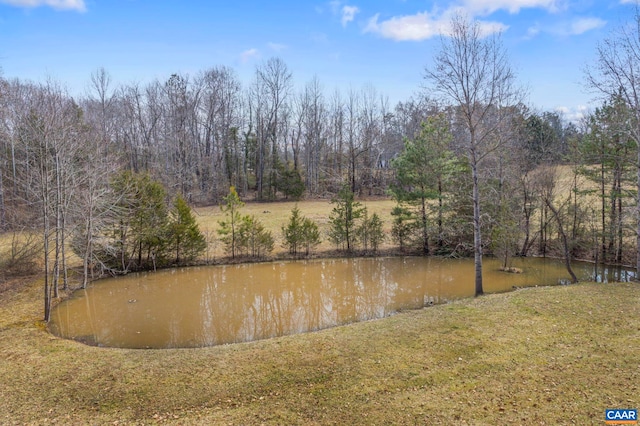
<point x="205" y="306"/>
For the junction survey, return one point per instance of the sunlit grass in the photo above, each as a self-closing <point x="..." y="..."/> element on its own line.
<point x="275" y="215"/>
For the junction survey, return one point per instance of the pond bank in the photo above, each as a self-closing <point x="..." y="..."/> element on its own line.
<point x="557" y="355"/>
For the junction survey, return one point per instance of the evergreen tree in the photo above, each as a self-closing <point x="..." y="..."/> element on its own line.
<point x="343" y="218"/>
<point x="290" y="183"/>
<point x="141" y="222"/>
<point x="370" y="233"/>
<point x="607" y="153"/>
<point x="229" y="227"/>
<point x="187" y="240"/>
<point x="292" y="233"/>
<point x="506" y="233"/>
<point x="403" y="228"/>
<point x="310" y="235"/>
<point x="253" y="239"/>
<point x="136" y="233"/>
<point x="422" y="170"/>
<point x="300" y="232"/>
<point x="150" y="223"/>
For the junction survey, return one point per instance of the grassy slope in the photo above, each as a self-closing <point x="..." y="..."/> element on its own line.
<point x="535" y="356"/>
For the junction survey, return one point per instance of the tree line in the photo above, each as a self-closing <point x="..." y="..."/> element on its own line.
<point x="473" y="169"/>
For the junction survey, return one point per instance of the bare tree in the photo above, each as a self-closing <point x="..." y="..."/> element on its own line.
<point x="616" y="72"/>
<point x="370" y="122"/>
<point x="101" y="102"/>
<point x="546" y="182"/>
<point x="473" y="73"/>
<point x="314" y="127"/>
<point x="300" y="106"/>
<point x="354" y="148"/>
<point x="337" y="122"/>
<point x="220" y="161"/>
<point x="94" y="201"/>
<point x="44" y="135"/>
<point x="269" y="96"/>
<point x="4" y="136"/>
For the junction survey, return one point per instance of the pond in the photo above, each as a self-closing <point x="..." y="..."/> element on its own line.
<point x="212" y="305"/>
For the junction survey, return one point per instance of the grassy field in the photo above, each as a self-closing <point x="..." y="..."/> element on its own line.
<point x="276" y="215"/>
<point x="538" y="356"/>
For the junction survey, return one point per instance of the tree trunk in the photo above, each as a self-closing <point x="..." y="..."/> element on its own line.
<point x="619" y="224"/>
<point x="440" y="214"/>
<point x="603" y="200"/>
<point x="45" y="234"/>
<point x="2" y="208"/>
<point x="425" y="234"/>
<point x="477" y="237"/>
<point x="526" y="210"/>
<point x="638" y="214"/>
<point x="565" y="242"/>
<point x="89" y="246"/>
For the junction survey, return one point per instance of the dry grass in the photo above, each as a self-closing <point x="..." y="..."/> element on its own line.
<point x="276" y="215"/>
<point x="536" y="356"/>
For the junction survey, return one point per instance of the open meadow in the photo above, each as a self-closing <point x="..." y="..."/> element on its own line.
<point x="276" y="215"/>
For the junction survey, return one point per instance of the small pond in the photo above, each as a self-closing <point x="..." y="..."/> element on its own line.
<point x="212" y="305"/>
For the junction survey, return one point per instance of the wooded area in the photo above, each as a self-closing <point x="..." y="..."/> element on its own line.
<point x="473" y="169"/>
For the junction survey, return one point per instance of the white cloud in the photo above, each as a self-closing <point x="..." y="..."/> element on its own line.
<point x="423" y="25"/>
<point x="582" y="25"/>
<point x="533" y="31"/>
<point x="420" y="26"/>
<point x="487" y="7"/>
<point x="348" y="13"/>
<point x="574" y="115"/>
<point x="78" y="5"/>
<point x="630" y="2"/>
<point x="249" y="54"/>
<point x="277" y="47"/>
<point x="575" y="27"/>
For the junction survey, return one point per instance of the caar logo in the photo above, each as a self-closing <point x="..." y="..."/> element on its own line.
<point x="621" y="417"/>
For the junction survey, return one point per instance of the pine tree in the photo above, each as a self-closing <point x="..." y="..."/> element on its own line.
<point x="140" y="224"/>
<point x="370" y="233"/>
<point x="253" y="239"/>
<point x="300" y="232"/>
<point x="229" y="227"/>
<point x="310" y="235"/>
<point x="187" y="240"/>
<point x="343" y="218"/>
<point x="290" y="183"/>
<point x="292" y="233"/>
<point x="404" y="224"/>
<point x="422" y="170"/>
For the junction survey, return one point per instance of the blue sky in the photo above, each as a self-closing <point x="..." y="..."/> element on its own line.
<point x="385" y="43"/>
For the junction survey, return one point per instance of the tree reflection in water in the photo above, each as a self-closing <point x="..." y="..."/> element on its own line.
<point x="205" y="306"/>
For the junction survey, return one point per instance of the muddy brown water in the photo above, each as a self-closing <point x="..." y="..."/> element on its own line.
<point x="212" y="305"/>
